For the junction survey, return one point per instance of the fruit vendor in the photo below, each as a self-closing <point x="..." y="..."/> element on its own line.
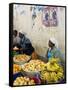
<point x="53" y="51"/>
<point x="26" y="45"/>
<point x="21" y="42"/>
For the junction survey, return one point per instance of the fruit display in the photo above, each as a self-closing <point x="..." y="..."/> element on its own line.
<point x="16" y="68"/>
<point x="23" y="81"/>
<point x="53" y="73"/>
<point x="34" y="66"/>
<point x="47" y="73"/>
<point x="21" y="58"/>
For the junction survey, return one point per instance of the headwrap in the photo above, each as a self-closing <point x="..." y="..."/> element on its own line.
<point x="54" y="41"/>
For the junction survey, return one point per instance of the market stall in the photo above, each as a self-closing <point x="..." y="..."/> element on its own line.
<point x="28" y="71"/>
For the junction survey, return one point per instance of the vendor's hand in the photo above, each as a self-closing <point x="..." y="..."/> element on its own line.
<point x="15" y="48"/>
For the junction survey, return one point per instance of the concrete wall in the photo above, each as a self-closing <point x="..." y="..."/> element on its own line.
<point x="40" y="34"/>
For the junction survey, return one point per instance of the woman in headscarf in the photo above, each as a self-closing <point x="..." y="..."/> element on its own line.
<point x="26" y="44"/>
<point x="54" y="52"/>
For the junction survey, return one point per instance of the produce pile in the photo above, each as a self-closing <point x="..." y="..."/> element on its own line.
<point x="23" y="81"/>
<point x="53" y="73"/>
<point x="43" y="73"/>
<point x="21" y="58"/>
<point x="16" y="68"/>
<point x="34" y="66"/>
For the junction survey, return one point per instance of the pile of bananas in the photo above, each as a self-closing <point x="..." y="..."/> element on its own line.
<point x="53" y="73"/>
<point x="23" y="81"/>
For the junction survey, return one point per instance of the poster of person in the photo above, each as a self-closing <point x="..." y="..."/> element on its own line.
<point x="46" y="16"/>
<point x="50" y="16"/>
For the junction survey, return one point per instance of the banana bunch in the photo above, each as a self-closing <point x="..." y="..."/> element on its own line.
<point x="54" y="60"/>
<point x="52" y="77"/>
<point x="45" y="76"/>
<point x="52" y="67"/>
<point x="53" y="73"/>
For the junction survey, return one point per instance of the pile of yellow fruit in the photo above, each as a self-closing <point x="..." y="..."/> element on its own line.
<point x="34" y="66"/>
<point x="21" y="58"/>
<point x="23" y="81"/>
<point x="16" y="68"/>
<point x="53" y="73"/>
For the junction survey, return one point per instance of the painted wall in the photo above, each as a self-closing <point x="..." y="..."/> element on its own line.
<point x="39" y="34"/>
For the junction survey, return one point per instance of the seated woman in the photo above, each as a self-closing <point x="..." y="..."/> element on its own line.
<point x="54" y="52"/>
<point x="26" y="45"/>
